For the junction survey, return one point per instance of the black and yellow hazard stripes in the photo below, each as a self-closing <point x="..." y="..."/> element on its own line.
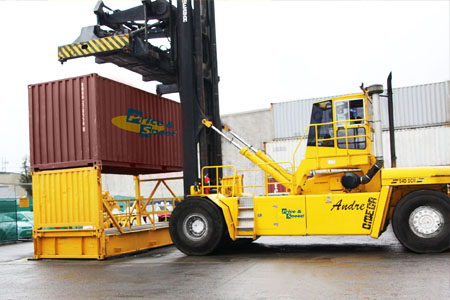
<point x="92" y="47"/>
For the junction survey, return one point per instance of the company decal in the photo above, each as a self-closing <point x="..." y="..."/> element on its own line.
<point x="185" y="11"/>
<point x="370" y="213"/>
<point x="292" y="214"/>
<point x="348" y="206"/>
<point x="146" y="126"/>
<point x="368" y="208"/>
<point x="407" y="180"/>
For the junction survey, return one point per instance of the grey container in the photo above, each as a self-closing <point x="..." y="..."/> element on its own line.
<point x="415" y="106"/>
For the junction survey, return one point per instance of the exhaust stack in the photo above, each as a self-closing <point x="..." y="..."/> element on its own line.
<point x="375" y="91"/>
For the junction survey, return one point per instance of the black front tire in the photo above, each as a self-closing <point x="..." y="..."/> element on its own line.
<point x="421" y="221"/>
<point x="197" y="226"/>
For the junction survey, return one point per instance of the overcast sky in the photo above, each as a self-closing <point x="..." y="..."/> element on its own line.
<point x="268" y="51"/>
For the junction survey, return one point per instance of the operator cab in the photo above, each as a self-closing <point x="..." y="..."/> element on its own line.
<point x="340" y="127"/>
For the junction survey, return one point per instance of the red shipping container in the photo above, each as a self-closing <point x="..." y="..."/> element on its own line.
<point x="91" y="120"/>
<point x="275" y="187"/>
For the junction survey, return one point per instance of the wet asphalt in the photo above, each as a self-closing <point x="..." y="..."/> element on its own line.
<point x="271" y="268"/>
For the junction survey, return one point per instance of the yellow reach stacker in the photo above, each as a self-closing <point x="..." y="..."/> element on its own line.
<point x="340" y="185"/>
<point x="339" y="188"/>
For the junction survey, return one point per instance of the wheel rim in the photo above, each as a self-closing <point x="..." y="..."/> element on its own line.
<point x="195" y="227"/>
<point x="426" y="221"/>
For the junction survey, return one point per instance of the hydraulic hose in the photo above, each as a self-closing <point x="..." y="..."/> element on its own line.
<point x="374" y="170"/>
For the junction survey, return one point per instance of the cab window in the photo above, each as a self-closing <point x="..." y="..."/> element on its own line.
<point x="355" y="138"/>
<point x="349" y="110"/>
<point x="321" y="113"/>
<point x="349" y="114"/>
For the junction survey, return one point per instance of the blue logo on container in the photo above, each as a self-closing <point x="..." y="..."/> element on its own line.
<point x="135" y="121"/>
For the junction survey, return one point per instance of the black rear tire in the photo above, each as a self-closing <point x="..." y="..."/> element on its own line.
<point x="421" y="221"/>
<point x="197" y="226"/>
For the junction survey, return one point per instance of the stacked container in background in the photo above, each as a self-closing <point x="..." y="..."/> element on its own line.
<point x="421" y="118"/>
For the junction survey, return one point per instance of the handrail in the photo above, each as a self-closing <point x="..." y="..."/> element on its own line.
<point x="136" y="208"/>
<point x="335" y="138"/>
<point x="220" y="186"/>
<point x="127" y="217"/>
<point x="205" y="189"/>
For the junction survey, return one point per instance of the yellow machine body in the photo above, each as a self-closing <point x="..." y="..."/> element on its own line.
<point x="316" y="202"/>
<point x="322" y="214"/>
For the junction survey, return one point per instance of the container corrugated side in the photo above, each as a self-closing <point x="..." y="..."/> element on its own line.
<point x="419" y="147"/>
<point x="56" y="112"/>
<point x="283" y="150"/>
<point x="415" y="106"/>
<point x="67" y="198"/>
<point x="419" y="106"/>
<point x="153" y="152"/>
<point x="91" y="120"/>
<point x="290" y="119"/>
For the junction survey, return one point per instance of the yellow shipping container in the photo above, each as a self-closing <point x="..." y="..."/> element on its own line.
<point x="72" y="218"/>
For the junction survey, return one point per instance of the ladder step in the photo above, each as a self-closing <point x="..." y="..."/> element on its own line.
<point x="246" y="214"/>
<point x="245" y="228"/>
<point x="243" y="237"/>
<point x="246" y="201"/>
<point x="245" y="207"/>
<point x="246" y="223"/>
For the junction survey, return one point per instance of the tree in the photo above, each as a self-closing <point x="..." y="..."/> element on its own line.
<point x="25" y="177"/>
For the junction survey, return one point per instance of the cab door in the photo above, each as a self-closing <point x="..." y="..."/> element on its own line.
<point x="351" y="125"/>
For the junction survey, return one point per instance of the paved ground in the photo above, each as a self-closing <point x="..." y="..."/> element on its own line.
<point x="271" y="268"/>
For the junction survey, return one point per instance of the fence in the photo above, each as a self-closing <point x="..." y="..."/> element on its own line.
<point x="16" y="214"/>
<point x="8" y="220"/>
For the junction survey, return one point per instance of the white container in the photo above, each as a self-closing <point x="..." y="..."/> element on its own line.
<point x="415" y="106"/>
<point x="419" y="147"/>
